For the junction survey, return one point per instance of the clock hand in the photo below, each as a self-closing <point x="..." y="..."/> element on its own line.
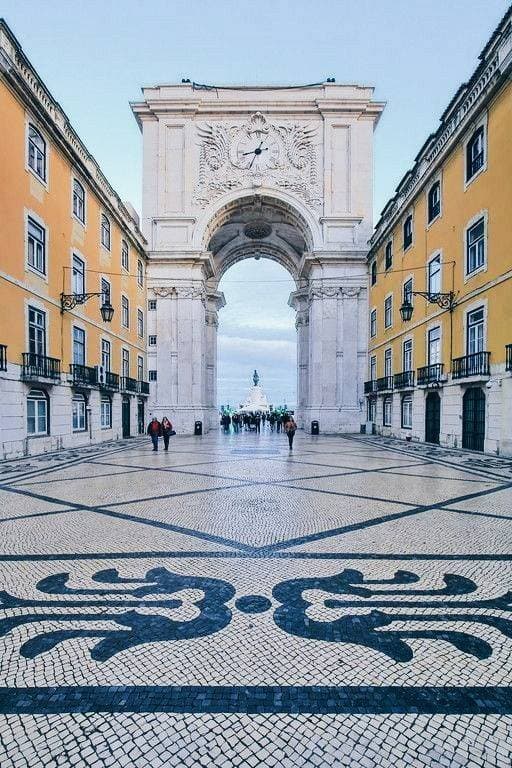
<point x="252" y="161"/>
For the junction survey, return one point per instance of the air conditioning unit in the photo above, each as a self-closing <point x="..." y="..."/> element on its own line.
<point x="101" y="374"/>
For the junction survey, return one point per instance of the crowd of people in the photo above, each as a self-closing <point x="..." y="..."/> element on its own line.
<point x="258" y="421"/>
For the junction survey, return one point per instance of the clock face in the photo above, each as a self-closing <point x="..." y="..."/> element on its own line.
<point x="257" y="153"/>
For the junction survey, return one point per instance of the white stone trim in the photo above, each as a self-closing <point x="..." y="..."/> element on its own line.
<point x="481" y="214"/>
<point x="104" y="249"/>
<point x="405" y="216"/>
<point x="438" y="177"/>
<point x="434" y="255"/>
<point x="29" y="213"/>
<point x="388" y="296"/>
<point x="76" y="176"/>
<point x="476" y="304"/>
<point x="481" y="122"/>
<point x="35" y="303"/>
<point x="37" y="124"/>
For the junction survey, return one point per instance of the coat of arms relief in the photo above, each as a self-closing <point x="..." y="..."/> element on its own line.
<point x="258" y="153"/>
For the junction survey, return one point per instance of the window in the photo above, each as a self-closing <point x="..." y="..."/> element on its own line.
<point x="78" y="275"/>
<point x="475" y="331"/>
<point x="434" y="275"/>
<point x="407" y="412"/>
<point x="105" y="290"/>
<point x="140" y="323"/>
<point x="79" y="413"/>
<point x="78" y="346"/>
<point x="125" y="362"/>
<point x="37" y="412"/>
<point x="475" y="153"/>
<point x="125" y="256"/>
<point x="125" y="312"/>
<point x="36" y="246"/>
<point x="387" y="412"/>
<point x="152" y="304"/>
<point x="371" y="408"/>
<point x="374" y="272"/>
<point x="106" y="412"/>
<point x="388" y="312"/>
<point x="373" y="368"/>
<point x="140" y="273"/>
<point x="389" y="254"/>
<point x="434" y="201"/>
<point x="140" y="368"/>
<point x="373" y="323"/>
<point x="105" y="232"/>
<point x="36" y="331"/>
<point x="434" y="346"/>
<point x="152" y="375"/>
<point x="475" y="246"/>
<point x="78" y="201"/>
<point x="407" y="355"/>
<point x="408" y="291"/>
<point x="408" y="231"/>
<point x="388" y="363"/>
<point x="152" y="341"/>
<point x="105" y="354"/>
<point x="36" y="152"/>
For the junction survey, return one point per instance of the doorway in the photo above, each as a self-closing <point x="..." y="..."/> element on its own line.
<point x="473" y="419"/>
<point x="140" y="417"/>
<point x="125" y="414"/>
<point x="432" y="418"/>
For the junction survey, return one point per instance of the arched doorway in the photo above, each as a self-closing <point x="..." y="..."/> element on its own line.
<point x="432" y="417"/>
<point x="473" y="419"/>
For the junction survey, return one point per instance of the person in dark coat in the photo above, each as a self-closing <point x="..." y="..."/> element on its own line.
<point x="154" y="431"/>
<point x="167" y="431"/>
<point x="290" y="427"/>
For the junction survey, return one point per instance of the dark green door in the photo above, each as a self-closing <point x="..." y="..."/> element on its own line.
<point x="140" y="417"/>
<point x="432" y="417"/>
<point x="473" y="419"/>
<point x="126" y="416"/>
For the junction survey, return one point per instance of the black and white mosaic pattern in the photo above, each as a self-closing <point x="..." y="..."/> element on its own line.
<point x="231" y="603"/>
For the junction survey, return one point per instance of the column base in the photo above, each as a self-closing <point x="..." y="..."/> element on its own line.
<point x="333" y="420"/>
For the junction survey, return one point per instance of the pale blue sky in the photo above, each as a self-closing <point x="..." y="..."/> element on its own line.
<point x="95" y="55"/>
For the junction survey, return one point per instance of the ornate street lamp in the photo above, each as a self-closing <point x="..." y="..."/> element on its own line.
<point x="443" y="300"/>
<point x="69" y="300"/>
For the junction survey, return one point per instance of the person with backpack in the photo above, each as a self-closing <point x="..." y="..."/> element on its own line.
<point x="154" y="431"/>
<point x="290" y="427"/>
<point x="167" y="432"/>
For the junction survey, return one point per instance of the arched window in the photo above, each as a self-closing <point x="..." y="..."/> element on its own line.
<point x="38" y="413"/>
<point x="36" y="152"/>
<point x="407" y="412"/>
<point x="407" y="233"/>
<point x="79" y="410"/>
<point x="475" y="153"/>
<point x="106" y="412"/>
<point x="387" y="412"/>
<point x="434" y="201"/>
<point x="105" y="232"/>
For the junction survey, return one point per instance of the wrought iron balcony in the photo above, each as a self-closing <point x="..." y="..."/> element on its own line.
<point x="3" y="357"/>
<point x="430" y="374"/>
<point x="36" y="367"/>
<point x="404" y="380"/>
<point x="370" y="387"/>
<point x="384" y="384"/>
<point x="83" y="375"/>
<point x="143" y="387"/>
<point x="471" y="365"/>
<point x="508" y="359"/>
<point x="111" y="381"/>
<point x="128" y="384"/>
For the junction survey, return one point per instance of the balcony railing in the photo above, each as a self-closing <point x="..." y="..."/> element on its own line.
<point x="128" y="384"/>
<point x="111" y="381"/>
<point x="370" y="386"/>
<point x="508" y="359"/>
<point x="143" y="387"/>
<point x="471" y="365"/>
<point x="384" y="384"/>
<point x="3" y="357"/>
<point x="404" y="380"/>
<point x="37" y="367"/>
<point x="83" y="375"/>
<point x="430" y="374"/>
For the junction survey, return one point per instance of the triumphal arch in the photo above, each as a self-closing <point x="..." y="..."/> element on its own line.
<point x="279" y="173"/>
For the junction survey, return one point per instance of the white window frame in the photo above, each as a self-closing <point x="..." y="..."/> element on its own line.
<point x="104" y="401"/>
<point x="140" y="367"/>
<point x="436" y="255"/>
<point x="151" y="305"/>
<point x="406" y="280"/>
<point x="140" y="273"/>
<point x="108" y="247"/>
<point x="124" y="242"/>
<point x="428" y="329"/>
<point x="46" y="400"/>
<point x="83" y="221"/>
<point x="373" y="367"/>
<point x="481" y="123"/>
<point x="124" y="297"/>
<point x="76" y="253"/>
<point x="410" y="213"/>
<point x="477" y="304"/>
<point x="79" y="327"/>
<point x="80" y="423"/>
<point x="388" y="356"/>
<point x="408" y="340"/>
<point x="123" y="351"/>
<point x="406" y="398"/>
<point x="436" y="180"/>
<point x="29" y="214"/>
<point x="38" y="307"/>
<point x="390" y="242"/>
<point x="388" y="400"/>
<point x="105" y="340"/>
<point x="474" y="220"/>
<point x="389" y="296"/>
<point x="44" y="181"/>
<point x="373" y="312"/>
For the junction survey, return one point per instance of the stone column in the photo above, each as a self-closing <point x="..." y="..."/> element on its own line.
<point x="323" y="347"/>
<point x="299" y="300"/>
<point x="214" y="302"/>
<point x="348" y="358"/>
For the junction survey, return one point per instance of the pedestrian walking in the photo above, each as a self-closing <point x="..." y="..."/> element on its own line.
<point x="167" y="432"/>
<point x="290" y="427"/>
<point x="154" y="431"/>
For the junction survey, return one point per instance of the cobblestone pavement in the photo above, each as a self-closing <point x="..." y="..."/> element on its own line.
<point x="230" y="603"/>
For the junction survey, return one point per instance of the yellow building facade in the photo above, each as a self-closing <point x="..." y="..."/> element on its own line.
<point x="440" y="267"/>
<point x="67" y="377"/>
